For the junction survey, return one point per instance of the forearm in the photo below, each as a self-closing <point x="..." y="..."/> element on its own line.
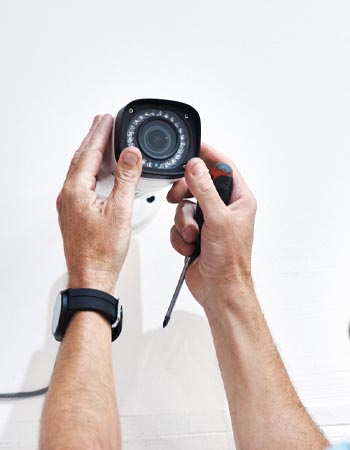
<point x="80" y="410"/>
<point x="266" y="412"/>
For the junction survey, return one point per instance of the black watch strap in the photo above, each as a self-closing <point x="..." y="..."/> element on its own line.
<point x="85" y="299"/>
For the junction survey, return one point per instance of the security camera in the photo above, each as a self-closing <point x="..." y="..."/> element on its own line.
<point x="168" y="134"/>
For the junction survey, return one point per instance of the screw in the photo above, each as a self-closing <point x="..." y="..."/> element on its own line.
<point x="186" y="116"/>
<point x="131" y="110"/>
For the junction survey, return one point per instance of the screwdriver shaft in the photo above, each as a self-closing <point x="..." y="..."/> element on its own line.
<point x="177" y="291"/>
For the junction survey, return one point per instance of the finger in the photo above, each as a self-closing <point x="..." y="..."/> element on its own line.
<point x="178" y="191"/>
<point x="201" y="185"/>
<point x="91" y="155"/>
<point x="127" y="175"/>
<point x="185" y="222"/>
<point x="211" y="157"/>
<point x="77" y="154"/>
<point x="86" y="140"/>
<point x="179" y="244"/>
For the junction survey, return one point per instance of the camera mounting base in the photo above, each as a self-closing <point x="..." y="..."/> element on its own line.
<point x="144" y="212"/>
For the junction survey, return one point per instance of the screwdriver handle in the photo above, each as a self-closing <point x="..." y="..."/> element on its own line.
<point x="221" y="175"/>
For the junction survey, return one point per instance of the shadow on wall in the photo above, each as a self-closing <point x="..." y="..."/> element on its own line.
<point x="168" y="381"/>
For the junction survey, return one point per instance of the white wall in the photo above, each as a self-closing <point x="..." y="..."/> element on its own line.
<point x="271" y="82"/>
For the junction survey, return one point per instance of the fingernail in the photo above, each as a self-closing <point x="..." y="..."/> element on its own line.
<point x="130" y="158"/>
<point x="199" y="169"/>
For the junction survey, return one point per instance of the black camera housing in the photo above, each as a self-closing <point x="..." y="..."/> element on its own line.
<point x="168" y="134"/>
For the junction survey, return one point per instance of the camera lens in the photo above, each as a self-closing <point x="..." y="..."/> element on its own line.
<point x="157" y="138"/>
<point x="162" y="135"/>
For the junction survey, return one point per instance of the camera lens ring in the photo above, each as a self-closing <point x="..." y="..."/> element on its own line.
<point x="157" y="138"/>
<point x="176" y="122"/>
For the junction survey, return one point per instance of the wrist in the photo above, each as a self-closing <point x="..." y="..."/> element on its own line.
<point x="90" y="322"/>
<point x="237" y="318"/>
<point x="231" y="298"/>
<point x="101" y="281"/>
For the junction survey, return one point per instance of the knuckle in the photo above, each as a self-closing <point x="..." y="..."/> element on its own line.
<point x="75" y="158"/>
<point x="184" y="214"/>
<point x="76" y="154"/>
<point x="59" y="200"/>
<point x="126" y="176"/>
<point x="189" y="205"/>
<point x="207" y="184"/>
<point x="173" y="237"/>
<point x="189" y="233"/>
<point x="171" y="196"/>
<point x="178" y="209"/>
<point x="67" y="191"/>
<point x="178" y="243"/>
<point x="252" y="203"/>
<point x="179" y="212"/>
<point x="255" y="204"/>
<point x="178" y="222"/>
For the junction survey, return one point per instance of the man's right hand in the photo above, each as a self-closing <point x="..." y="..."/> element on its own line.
<point x="265" y="410"/>
<point x="224" y="265"/>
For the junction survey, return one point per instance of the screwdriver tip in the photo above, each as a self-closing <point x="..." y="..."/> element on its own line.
<point x="166" y="321"/>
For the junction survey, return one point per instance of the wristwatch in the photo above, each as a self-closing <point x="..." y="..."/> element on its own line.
<point x="72" y="300"/>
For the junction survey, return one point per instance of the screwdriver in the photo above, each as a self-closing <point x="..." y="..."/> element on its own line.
<point x="221" y="174"/>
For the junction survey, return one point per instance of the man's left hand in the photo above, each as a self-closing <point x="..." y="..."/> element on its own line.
<point x="96" y="232"/>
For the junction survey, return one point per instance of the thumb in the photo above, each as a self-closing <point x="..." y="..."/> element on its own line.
<point x="127" y="175"/>
<point x="202" y="187"/>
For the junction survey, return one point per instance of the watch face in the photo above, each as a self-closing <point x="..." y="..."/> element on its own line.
<point x="56" y="313"/>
